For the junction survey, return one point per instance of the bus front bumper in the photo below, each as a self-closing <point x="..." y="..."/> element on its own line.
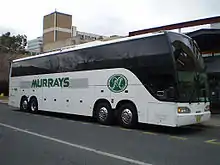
<point x="195" y="118"/>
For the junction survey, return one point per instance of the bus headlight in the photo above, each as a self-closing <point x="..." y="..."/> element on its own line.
<point x="183" y="110"/>
<point x="207" y="108"/>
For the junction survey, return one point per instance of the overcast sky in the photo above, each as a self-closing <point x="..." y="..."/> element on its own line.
<point x="106" y="17"/>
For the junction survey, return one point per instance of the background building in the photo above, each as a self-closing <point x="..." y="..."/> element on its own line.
<point x="56" y="27"/>
<point x="58" y="32"/>
<point x="36" y="45"/>
<point x="215" y="25"/>
<point x="85" y="36"/>
<point x="212" y="22"/>
<point x="113" y="37"/>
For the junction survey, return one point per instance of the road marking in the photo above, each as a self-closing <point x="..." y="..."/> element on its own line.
<point x="84" y="123"/>
<point x="178" y="137"/>
<point x="48" y="117"/>
<point x="149" y="133"/>
<point x="125" y="129"/>
<point x="133" y="161"/>
<point x="56" y="118"/>
<point x="104" y="126"/>
<point x="35" y="115"/>
<point x="213" y="141"/>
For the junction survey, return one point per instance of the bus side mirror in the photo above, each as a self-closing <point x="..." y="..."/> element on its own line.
<point x="160" y="93"/>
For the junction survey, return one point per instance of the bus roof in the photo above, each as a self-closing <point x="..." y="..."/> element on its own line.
<point x="90" y="44"/>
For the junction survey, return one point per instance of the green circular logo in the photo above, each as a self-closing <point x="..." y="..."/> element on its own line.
<point x="117" y="83"/>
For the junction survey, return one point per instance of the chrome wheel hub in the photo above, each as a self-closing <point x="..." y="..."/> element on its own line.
<point x="25" y="104"/>
<point x="33" y="106"/>
<point x="103" y="114"/>
<point x="126" y="116"/>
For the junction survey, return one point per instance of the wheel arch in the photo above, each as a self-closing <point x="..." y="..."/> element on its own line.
<point x="33" y="97"/>
<point x="122" y="102"/>
<point x="101" y="100"/>
<point x="23" y="97"/>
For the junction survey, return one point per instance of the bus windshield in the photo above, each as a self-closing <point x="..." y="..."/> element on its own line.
<point x="191" y="79"/>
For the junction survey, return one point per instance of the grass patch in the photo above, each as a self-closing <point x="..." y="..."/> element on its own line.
<point x="3" y="97"/>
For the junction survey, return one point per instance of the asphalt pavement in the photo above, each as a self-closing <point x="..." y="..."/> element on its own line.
<point x="55" y="139"/>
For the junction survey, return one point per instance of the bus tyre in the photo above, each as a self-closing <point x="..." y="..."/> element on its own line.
<point x="33" y="105"/>
<point x="104" y="113"/>
<point x="24" y="104"/>
<point x="127" y="115"/>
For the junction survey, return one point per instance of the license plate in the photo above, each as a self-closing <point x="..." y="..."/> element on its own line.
<point x="198" y="118"/>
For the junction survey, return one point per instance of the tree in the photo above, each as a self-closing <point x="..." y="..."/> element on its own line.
<point x="11" y="47"/>
<point x="15" y="44"/>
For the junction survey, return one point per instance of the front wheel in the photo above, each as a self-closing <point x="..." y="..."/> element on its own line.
<point x="33" y="105"/>
<point x="127" y="115"/>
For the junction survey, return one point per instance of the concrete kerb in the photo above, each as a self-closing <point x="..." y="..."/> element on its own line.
<point x="4" y="101"/>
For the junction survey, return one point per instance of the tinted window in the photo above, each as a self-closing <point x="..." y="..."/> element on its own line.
<point x="124" y="54"/>
<point x="29" y="67"/>
<point x="148" y="58"/>
<point x="183" y="50"/>
<point x="191" y="80"/>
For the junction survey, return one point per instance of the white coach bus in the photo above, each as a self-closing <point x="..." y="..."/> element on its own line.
<point x="152" y="78"/>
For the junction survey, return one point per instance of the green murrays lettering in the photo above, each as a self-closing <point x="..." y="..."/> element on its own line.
<point x="49" y="82"/>
<point x="56" y="83"/>
<point x="40" y="83"/>
<point x="34" y="84"/>
<point x="44" y="82"/>
<point x="61" y="81"/>
<point x="66" y="82"/>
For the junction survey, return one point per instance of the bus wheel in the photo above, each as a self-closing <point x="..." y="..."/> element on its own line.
<point x="127" y="115"/>
<point x="33" y="105"/>
<point x="104" y="113"/>
<point x="24" y="104"/>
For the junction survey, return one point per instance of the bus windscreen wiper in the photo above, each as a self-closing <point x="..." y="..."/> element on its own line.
<point x="191" y="96"/>
<point x="195" y="89"/>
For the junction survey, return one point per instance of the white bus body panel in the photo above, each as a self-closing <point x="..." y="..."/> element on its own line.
<point x="89" y="86"/>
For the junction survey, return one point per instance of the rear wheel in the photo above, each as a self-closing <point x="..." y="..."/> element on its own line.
<point x="104" y="113"/>
<point x="33" y="105"/>
<point x="24" y="104"/>
<point x="127" y="115"/>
